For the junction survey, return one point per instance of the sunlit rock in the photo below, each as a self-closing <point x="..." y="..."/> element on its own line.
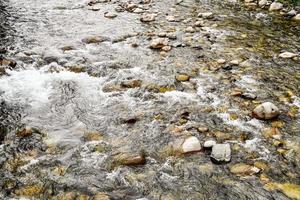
<point x="244" y="169"/>
<point x="191" y="144"/>
<point x="276" y="6"/>
<point x="266" y="111"/>
<point x="221" y="153"/>
<point x="287" y="55"/>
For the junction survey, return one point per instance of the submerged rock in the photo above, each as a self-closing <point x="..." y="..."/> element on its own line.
<point x="287" y="55"/>
<point x="244" y="169"/>
<point x="182" y="77"/>
<point x="221" y="153"/>
<point x="266" y="111"/>
<point x="191" y="144"/>
<point x="94" y="39"/>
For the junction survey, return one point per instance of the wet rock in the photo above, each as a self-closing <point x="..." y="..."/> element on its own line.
<point x="110" y="15"/>
<point x="95" y="39"/>
<point x="221" y="153"/>
<point x="191" y="144"/>
<point x="166" y="48"/>
<point x="289" y="189"/>
<point x="276" y="6"/>
<point x="7" y="62"/>
<point x="25" y="132"/>
<point x="249" y="96"/>
<point x="77" y="69"/>
<point x="182" y="77"/>
<point x="138" y="10"/>
<point x="287" y="55"/>
<point x="68" y="48"/>
<point x="221" y="61"/>
<point x="30" y="191"/>
<point x="148" y="17"/>
<point x="244" y="169"/>
<point x="266" y="111"/>
<point x="297" y="17"/>
<point x="159" y="43"/>
<point x="131" y="83"/>
<point x="199" y="24"/>
<point x="172" y="18"/>
<point x="92" y="136"/>
<point x="209" y="144"/>
<point x="96" y="7"/>
<point x="135" y="160"/>
<point x="202" y="129"/>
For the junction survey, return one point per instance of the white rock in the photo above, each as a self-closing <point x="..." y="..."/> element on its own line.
<point x="159" y="43"/>
<point x="297" y="17"/>
<point x="206" y="15"/>
<point x="276" y="6"/>
<point x="221" y="153"/>
<point x="191" y="144"/>
<point x="148" y="17"/>
<point x="209" y="143"/>
<point x="263" y="3"/>
<point x="287" y="55"/>
<point x="266" y="110"/>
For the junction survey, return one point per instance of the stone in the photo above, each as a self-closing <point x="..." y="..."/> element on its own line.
<point x="263" y="3"/>
<point x="92" y="136"/>
<point x="110" y="15"/>
<point x="138" y="10"/>
<point x="171" y="18"/>
<point x="131" y="83"/>
<point x="206" y="15"/>
<point x="148" y="17"/>
<point x="244" y="169"/>
<point x="95" y="7"/>
<point x="159" y="43"/>
<point x="266" y="111"/>
<point x="135" y="160"/>
<point x="166" y="48"/>
<point x="297" y="17"/>
<point x="276" y="6"/>
<point x="25" y="132"/>
<point x="191" y="144"/>
<point x="287" y="55"/>
<point x="221" y="61"/>
<point x="209" y="144"/>
<point x="190" y="29"/>
<point x="95" y="39"/>
<point x="221" y="153"/>
<point x="182" y="77"/>
<point x="100" y="196"/>
<point x="249" y="96"/>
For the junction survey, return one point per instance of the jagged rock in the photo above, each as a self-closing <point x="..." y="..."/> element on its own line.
<point x="221" y="153"/>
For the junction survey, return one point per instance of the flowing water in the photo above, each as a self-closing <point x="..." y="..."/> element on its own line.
<point x="126" y="94"/>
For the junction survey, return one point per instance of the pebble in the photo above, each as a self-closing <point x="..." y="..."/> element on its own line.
<point x="266" y="111"/>
<point x="94" y="39"/>
<point x="148" y="17"/>
<point x="159" y="43"/>
<point x="276" y="6"/>
<point x="190" y="29"/>
<point x="221" y="153"/>
<point x="263" y="3"/>
<point x="209" y="144"/>
<point x="110" y="15"/>
<point x="191" y="144"/>
<point x="249" y="96"/>
<point x="287" y="55"/>
<point x="206" y="15"/>
<point x="135" y="160"/>
<point x="182" y="77"/>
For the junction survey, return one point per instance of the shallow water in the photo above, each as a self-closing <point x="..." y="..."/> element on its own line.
<point x="66" y="94"/>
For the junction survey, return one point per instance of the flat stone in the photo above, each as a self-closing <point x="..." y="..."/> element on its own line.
<point x="191" y="144"/>
<point x="221" y="153"/>
<point x="94" y="39"/>
<point x="287" y="55"/>
<point x="148" y="17"/>
<point x="110" y="15"/>
<point x="182" y="77"/>
<point x="297" y="17"/>
<point x="244" y="169"/>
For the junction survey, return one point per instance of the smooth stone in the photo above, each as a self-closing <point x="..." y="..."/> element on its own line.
<point x="221" y="153"/>
<point x="263" y="3"/>
<point x="209" y="144"/>
<point x="206" y="15"/>
<point x="190" y="29"/>
<point x="244" y="169"/>
<point x="110" y="15"/>
<point x="266" y="111"/>
<point x="297" y="17"/>
<point x="276" y="6"/>
<point x="182" y="77"/>
<point x="287" y="55"/>
<point x="191" y="144"/>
